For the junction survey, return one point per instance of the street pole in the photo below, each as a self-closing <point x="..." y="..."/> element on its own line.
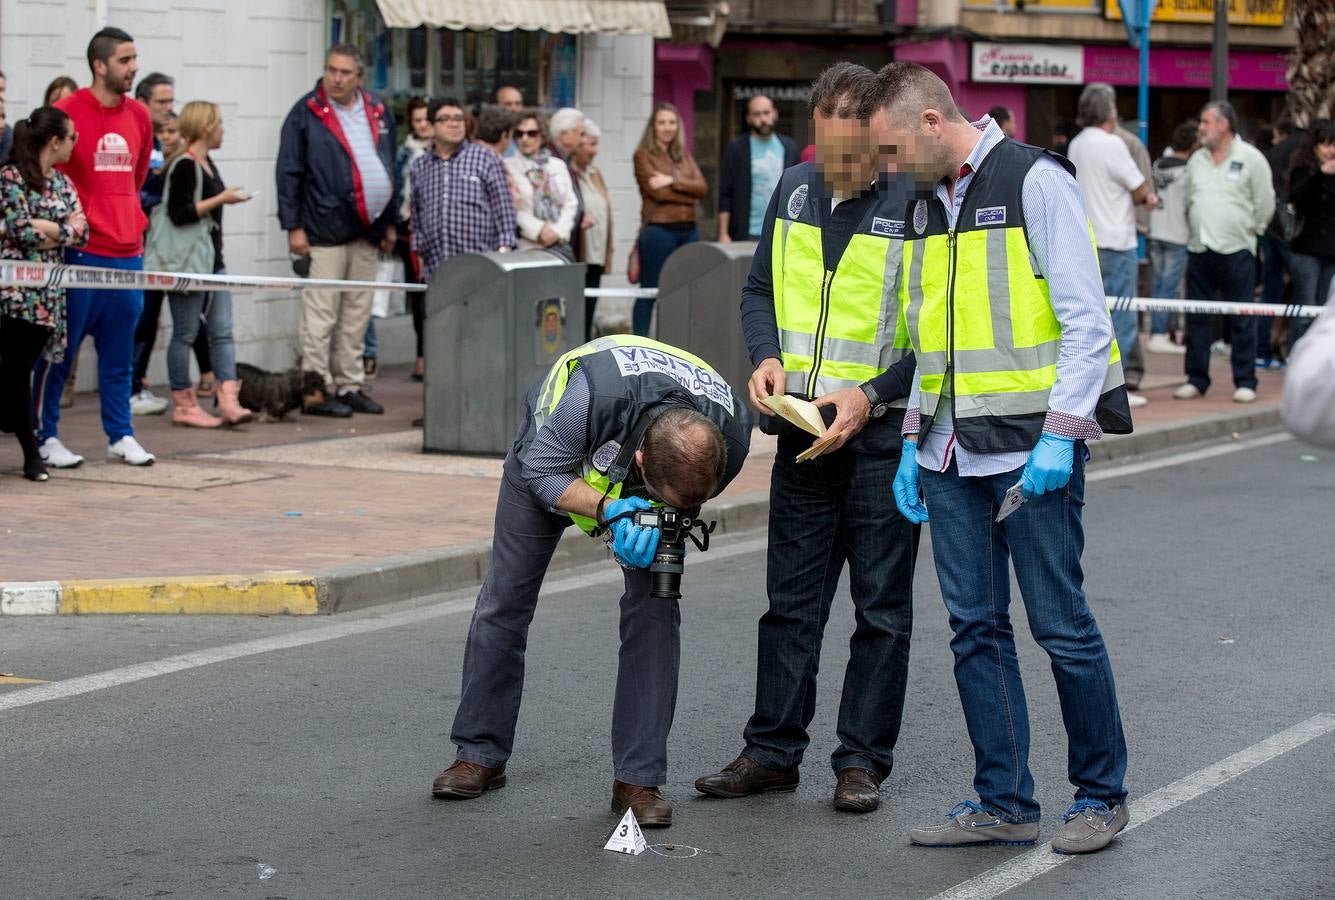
<point x="1146" y="10"/>
<point x="1219" y="54"/>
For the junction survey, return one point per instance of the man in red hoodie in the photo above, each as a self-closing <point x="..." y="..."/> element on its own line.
<point x="109" y="165"/>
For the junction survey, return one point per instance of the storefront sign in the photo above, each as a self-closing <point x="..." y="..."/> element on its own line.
<point x="1201" y="12"/>
<point x="1028" y="63"/>
<point x="1180" y="67"/>
<point x="1074" y="6"/>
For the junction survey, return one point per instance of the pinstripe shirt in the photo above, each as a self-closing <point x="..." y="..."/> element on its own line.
<point x="555" y="460"/>
<point x="1057" y="228"/>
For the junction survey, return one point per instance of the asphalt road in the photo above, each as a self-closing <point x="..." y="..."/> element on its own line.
<point x="312" y="752"/>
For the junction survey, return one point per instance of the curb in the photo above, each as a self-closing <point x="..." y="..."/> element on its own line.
<point x="363" y="584"/>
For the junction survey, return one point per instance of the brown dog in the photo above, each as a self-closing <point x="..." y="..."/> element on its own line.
<point x="272" y="395"/>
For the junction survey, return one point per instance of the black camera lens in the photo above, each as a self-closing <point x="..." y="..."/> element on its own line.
<point x="666" y="570"/>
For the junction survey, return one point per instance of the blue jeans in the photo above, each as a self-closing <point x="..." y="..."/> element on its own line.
<point x="1276" y="259"/>
<point x="657" y="242"/>
<point x="1311" y="285"/>
<point x="1169" y="264"/>
<point x="835" y="509"/>
<point x="368" y="342"/>
<point x="1046" y="539"/>
<point x="216" y="309"/>
<point x="110" y="317"/>
<point x="1119" y="280"/>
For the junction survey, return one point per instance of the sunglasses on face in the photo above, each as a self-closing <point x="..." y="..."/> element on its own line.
<point x="526" y="133"/>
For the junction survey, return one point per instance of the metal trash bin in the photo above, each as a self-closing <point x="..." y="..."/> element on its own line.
<point x="495" y="324"/>
<point x="699" y="306"/>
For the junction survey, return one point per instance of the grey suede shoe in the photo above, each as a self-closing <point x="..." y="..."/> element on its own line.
<point x="969" y="825"/>
<point x="1088" y="826"/>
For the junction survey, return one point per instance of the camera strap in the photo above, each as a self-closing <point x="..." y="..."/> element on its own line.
<point x="619" y="470"/>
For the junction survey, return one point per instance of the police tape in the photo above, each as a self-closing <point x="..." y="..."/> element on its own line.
<point x="60" y="275"/>
<point x="1213" y="308"/>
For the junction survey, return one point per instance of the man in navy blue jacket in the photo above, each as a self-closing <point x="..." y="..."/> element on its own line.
<point x="337" y="201"/>
<point x="752" y="164"/>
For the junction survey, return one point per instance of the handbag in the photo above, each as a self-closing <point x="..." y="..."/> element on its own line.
<point x="1290" y="222"/>
<point x="169" y="247"/>
<point x="384" y="301"/>
<point x="633" y="261"/>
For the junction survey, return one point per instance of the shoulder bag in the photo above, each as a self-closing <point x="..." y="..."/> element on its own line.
<point x="170" y="247"/>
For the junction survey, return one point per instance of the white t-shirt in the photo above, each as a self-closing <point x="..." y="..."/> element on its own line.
<point x="1107" y="175"/>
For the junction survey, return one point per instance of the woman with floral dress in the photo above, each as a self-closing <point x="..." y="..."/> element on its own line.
<point x="42" y="216"/>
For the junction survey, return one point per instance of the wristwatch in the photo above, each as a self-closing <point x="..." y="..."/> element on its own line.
<point x="878" y="407"/>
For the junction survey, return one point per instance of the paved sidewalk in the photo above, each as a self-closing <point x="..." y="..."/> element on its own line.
<point x="317" y="515"/>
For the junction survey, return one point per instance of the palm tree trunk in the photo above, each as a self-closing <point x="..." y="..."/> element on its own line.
<point x="1311" y="71"/>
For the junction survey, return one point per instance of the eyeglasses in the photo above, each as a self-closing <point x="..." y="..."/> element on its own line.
<point x="448" y="120"/>
<point x="524" y="132"/>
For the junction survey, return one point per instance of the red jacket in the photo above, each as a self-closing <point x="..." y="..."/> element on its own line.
<point x="107" y="168"/>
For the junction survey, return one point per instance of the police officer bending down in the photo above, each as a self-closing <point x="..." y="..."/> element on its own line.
<point x="617" y="423"/>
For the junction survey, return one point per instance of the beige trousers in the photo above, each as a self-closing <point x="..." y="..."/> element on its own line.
<point x="333" y="323"/>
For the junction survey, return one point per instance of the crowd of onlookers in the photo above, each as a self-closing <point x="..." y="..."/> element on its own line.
<point x="100" y="178"/>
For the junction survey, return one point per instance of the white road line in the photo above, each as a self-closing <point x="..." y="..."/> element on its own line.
<point x="1190" y="456"/>
<point x="462" y="602"/>
<point x="1025" y="868"/>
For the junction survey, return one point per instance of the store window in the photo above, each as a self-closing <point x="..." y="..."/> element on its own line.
<point x="468" y="65"/>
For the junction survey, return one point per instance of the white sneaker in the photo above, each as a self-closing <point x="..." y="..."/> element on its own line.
<point x="128" y="449"/>
<point x="1244" y="395"/>
<point x="1135" y="401"/>
<point x="57" y="456"/>
<point x="1219" y="348"/>
<point x="147" y="403"/>
<point x="1162" y="343"/>
<point x="1186" y="392"/>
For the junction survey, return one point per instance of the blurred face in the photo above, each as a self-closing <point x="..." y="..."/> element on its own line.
<point x="62" y="147"/>
<point x="916" y="147"/>
<point x="340" y="78"/>
<point x="170" y="137"/>
<point x="4" y="116"/>
<point x="569" y="140"/>
<point x="761" y="116"/>
<point x="449" y="126"/>
<point x="161" y="103"/>
<point x="845" y="153"/>
<point x="1325" y="151"/>
<point x="510" y="98"/>
<point x="666" y="127"/>
<point x="215" y="135"/>
<point x="60" y="93"/>
<point x="528" y="136"/>
<point x="421" y="124"/>
<point x="586" y="151"/>
<point x="1213" y="129"/>
<point x="118" y="73"/>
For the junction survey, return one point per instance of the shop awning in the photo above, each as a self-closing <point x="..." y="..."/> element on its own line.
<point x="569" y="16"/>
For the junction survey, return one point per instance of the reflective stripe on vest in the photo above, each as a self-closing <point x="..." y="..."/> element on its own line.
<point x="836" y="329"/>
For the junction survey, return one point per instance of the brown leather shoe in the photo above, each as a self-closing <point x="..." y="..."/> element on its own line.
<point x="744" y="776"/>
<point x="466" y="780"/>
<point x="651" y="810"/>
<point x="857" y="791"/>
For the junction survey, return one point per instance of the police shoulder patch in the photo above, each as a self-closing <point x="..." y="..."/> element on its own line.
<point x="796" y="200"/>
<point x="605" y="455"/>
<point x="920" y="216"/>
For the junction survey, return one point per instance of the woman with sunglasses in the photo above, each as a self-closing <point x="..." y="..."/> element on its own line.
<point x="545" y="201"/>
<point x="42" y="216"/>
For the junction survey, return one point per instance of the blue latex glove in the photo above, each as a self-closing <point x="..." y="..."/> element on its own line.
<point x="908" y="495"/>
<point x="614" y="508"/>
<point x="633" y="544"/>
<point x="1049" y="466"/>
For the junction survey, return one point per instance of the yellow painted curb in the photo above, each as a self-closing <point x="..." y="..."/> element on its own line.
<point x="265" y="595"/>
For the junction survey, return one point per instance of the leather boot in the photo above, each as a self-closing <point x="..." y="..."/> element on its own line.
<point x="186" y="411"/>
<point x="233" y="412"/>
<point x="466" y="780"/>
<point x="651" y="810"/>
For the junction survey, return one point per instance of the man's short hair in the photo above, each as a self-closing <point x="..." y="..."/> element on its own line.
<point x="684" y="450"/>
<point x="493" y="122"/>
<point x="1226" y="111"/>
<point x="346" y="50"/>
<point x="1097" y="104"/>
<point x="563" y="120"/>
<point x="1000" y="114"/>
<point x="843" y="91"/>
<point x="144" y="89"/>
<point x="103" y="45"/>
<point x="507" y="87"/>
<point x="439" y="103"/>
<point x="905" y="89"/>
<point x="1184" y="135"/>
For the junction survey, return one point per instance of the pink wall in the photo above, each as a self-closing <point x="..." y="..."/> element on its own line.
<point x="951" y="61"/>
<point x="679" y="71"/>
<point x="1180" y="67"/>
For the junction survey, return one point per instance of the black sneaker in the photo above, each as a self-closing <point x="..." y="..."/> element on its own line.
<point x="330" y="407"/>
<point x="359" y="402"/>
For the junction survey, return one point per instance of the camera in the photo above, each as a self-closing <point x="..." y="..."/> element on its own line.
<point x="674" y="526"/>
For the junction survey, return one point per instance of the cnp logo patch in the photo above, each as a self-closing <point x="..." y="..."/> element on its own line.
<point x="605" y="455"/>
<point x="920" y="216"/>
<point x="893" y="228"/>
<point x="796" y="200"/>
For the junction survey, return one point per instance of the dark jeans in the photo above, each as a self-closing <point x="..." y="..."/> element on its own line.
<point x="1276" y="259"/>
<point x="1228" y="277"/>
<point x="21" y="343"/>
<point x="524" y="538"/>
<point x="1311" y="285"/>
<point x="826" y="512"/>
<point x="146" y="334"/>
<point x="1046" y="539"/>
<point x="593" y="277"/>
<point x="657" y="242"/>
